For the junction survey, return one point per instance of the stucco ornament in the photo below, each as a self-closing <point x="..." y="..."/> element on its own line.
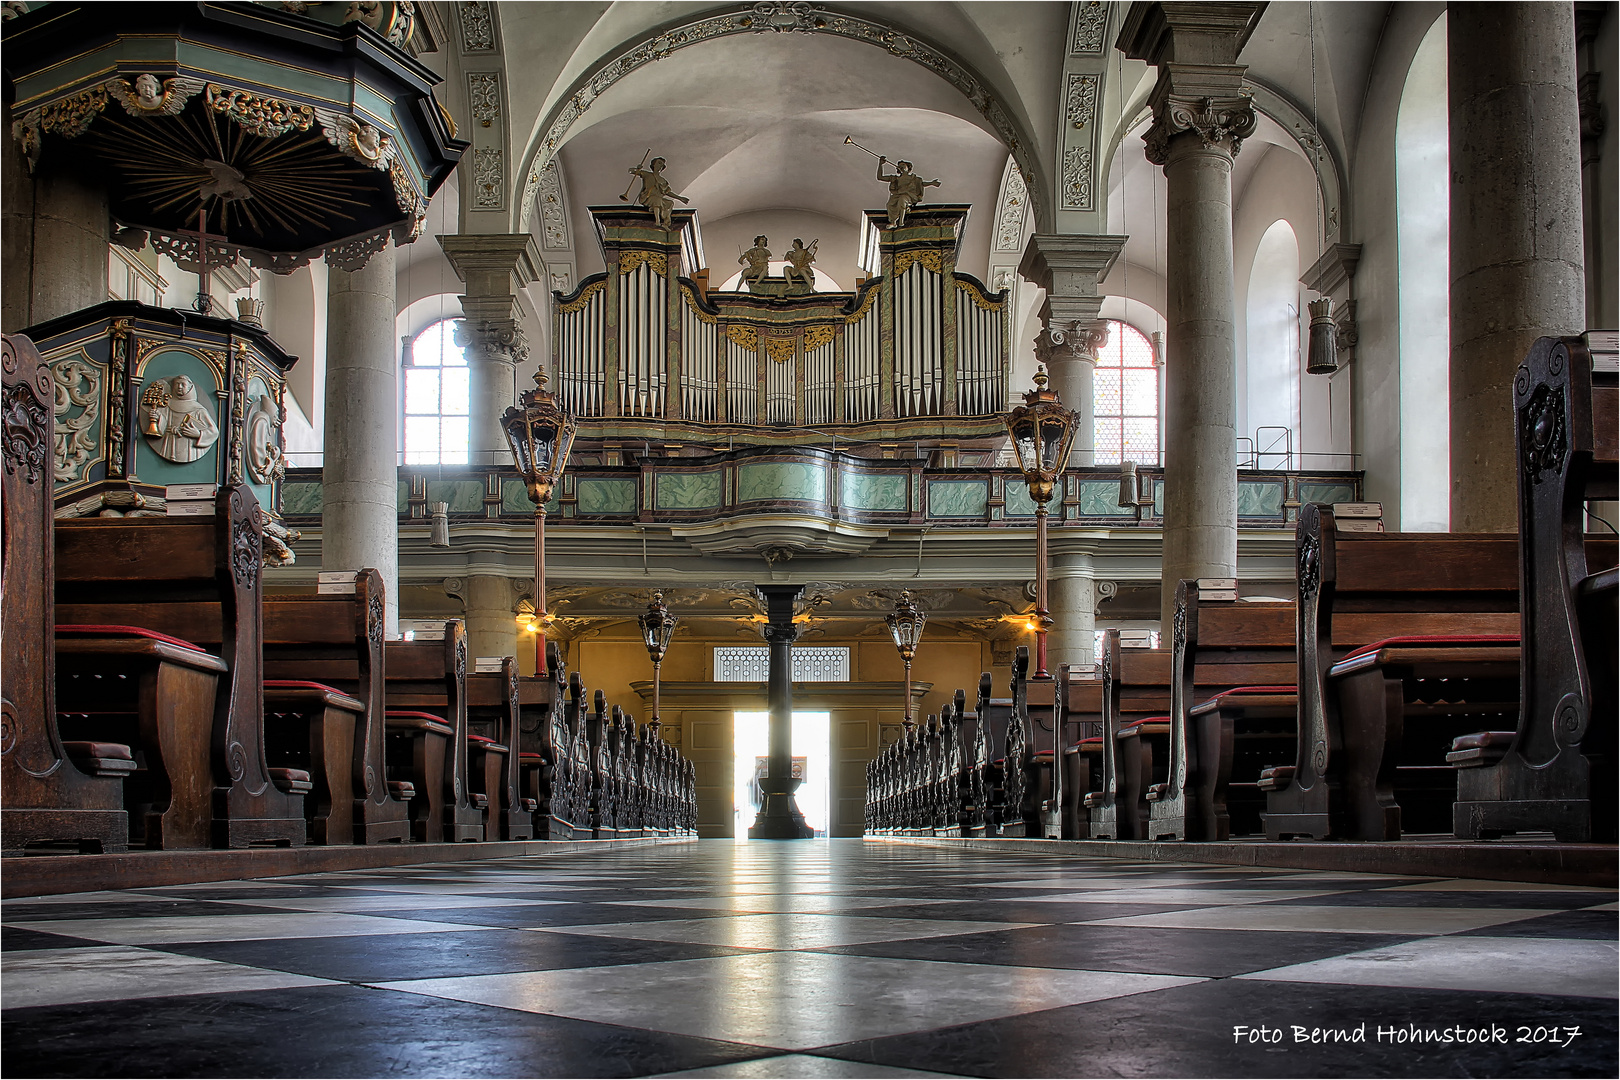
<point x="177" y="426"/>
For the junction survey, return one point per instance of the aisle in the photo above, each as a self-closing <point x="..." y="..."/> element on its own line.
<point x="807" y="959"/>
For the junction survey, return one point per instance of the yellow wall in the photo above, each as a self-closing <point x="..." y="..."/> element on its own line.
<point x="698" y="719"/>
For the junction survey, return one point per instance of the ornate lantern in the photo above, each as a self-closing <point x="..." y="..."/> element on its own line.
<point x="657" y="627"/>
<point x="1042" y="431"/>
<point x="1322" y="354"/>
<point x="906" y="627"/>
<point x="541" y="436"/>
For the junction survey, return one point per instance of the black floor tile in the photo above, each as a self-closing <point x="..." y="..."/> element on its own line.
<point x="1017" y="911"/>
<point x="523" y="915"/>
<point x="390" y="957"/>
<point x="335" y="1031"/>
<point x="1189" y="1031"/>
<point x="22" y="912"/>
<point x="1460" y="899"/>
<point x="1150" y="950"/>
<point x="20" y="938"/>
<point x="1588" y="925"/>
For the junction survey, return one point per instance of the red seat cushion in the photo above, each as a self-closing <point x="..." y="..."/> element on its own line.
<point x="111" y="630"/>
<point x="1094" y="741"/>
<point x="301" y="684"/>
<point x="292" y="781"/>
<point x="1435" y="640"/>
<point x="1144" y="720"/>
<point x="1480" y="740"/>
<point x="1257" y="690"/>
<point x="412" y="714"/>
<point x="526" y="756"/>
<point x="79" y="749"/>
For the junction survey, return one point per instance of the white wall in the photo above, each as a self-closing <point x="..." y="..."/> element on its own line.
<point x="1423" y="216"/>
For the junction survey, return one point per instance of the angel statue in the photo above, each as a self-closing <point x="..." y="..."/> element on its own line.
<point x="799" y="259"/>
<point x="905" y="189"/>
<point x="656" y="194"/>
<point x="757" y="259"/>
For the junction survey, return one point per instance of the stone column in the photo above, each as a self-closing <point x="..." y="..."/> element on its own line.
<point x="359" y="478"/>
<point x="1517" y="268"/>
<point x="1073" y="599"/>
<point x="493" y="266"/>
<point x="1600" y="293"/>
<point x="779" y="817"/>
<point x="1201" y="114"/>
<point x="54" y="227"/>
<point x="1069" y="268"/>
<point x="489" y="601"/>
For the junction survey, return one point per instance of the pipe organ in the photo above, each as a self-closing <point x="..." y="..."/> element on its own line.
<point x="644" y="340"/>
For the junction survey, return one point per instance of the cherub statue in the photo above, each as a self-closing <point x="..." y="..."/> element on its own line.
<point x="757" y="259"/>
<point x="656" y="194"/>
<point x="152" y="97"/>
<point x="905" y="189"/>
<point x="799" y="259"/>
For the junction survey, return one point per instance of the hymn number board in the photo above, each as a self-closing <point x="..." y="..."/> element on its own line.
<point x="150" y="398"/>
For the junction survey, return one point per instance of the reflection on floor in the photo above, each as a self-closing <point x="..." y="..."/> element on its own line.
<point x="813" y="959"/>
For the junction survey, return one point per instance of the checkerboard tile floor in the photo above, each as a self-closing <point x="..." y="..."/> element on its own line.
<point x="816" y="959"/>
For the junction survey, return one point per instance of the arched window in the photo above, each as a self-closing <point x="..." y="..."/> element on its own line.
<point x="1125" y="398"/>
<point x="1271" y="385"/>
<point x="437" y="398"/>
<point x="1423" y="239"/>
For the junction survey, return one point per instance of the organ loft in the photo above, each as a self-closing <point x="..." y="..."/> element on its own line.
<point x="1057" y="539"/>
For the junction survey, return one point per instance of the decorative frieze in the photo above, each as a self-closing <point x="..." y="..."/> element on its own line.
<point x="1080" y="100"/>
<point x="489" y="171"/>
<point x="477" y="27"/>
<point x="1090" y="29"/>
<point x="553" y="213"/>
<point x="1079" y="191"/>
<point x="484" y="96"/>
<point x="1010" y="213"/>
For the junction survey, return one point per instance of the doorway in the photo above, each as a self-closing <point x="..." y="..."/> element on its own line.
<point x="812" y="757"/>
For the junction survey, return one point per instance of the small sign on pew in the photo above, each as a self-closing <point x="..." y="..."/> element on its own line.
<point x="1361" y="517"/>
<point x="335" y="583"/>
<point x="486" y="664"/>
<point x="185" y="492"/>
<point x="189" y="507"/>
<point x="1217" y="588"/>
<point x="1136" y="639"/>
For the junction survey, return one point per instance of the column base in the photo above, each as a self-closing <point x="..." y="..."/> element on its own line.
<point x="779" y="816"/>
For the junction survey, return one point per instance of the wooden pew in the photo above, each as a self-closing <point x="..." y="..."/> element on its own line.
<point x="1081" y="721"/>
<point x="48" y="795"/>
<point x="1218" y="647"/>
<point x="495" y="705"/>
<point x="568" y="775"/>
<point x="1436" y="617"/>
<point x="427" y="725"/>
<point x="318" y="651"/>
<point x="190" y="579"/>
<point x="1555" y="770"/>
<point x="1136" y="702"/>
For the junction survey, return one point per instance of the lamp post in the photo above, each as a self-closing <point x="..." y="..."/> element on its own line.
<point x="906" y="627"/>
<point x="1042" y="431"/>
<point x="541" y="435"/>
<point x="657" y="627"/>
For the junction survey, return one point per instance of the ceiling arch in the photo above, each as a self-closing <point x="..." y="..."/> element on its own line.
<point x="762" y="22"/>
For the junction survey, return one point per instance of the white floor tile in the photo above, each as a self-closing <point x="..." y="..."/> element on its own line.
<point x="1325" y="919"/>
<point x="792" y="1001"/>
<point x="74" y="976"/>
<point x="172" y="929"/>
<point x="1565" y="968"/>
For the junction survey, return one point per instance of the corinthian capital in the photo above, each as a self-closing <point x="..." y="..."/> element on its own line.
<point x="499" y="341"/>
<point x="1218" y="122"/>
<point x="1058" y="342"/>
